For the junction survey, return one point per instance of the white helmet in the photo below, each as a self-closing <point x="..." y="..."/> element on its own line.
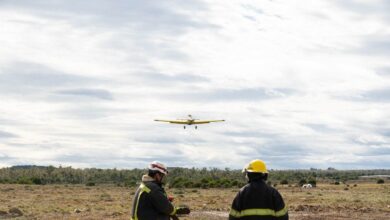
<point x="156" y="166"/>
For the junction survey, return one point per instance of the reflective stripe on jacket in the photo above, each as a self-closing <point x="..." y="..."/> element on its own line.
<point x="151" y="202"/>
<point x="258" y="201"/>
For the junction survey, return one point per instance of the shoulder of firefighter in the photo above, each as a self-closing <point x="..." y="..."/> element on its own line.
<point x="257" y="200"/>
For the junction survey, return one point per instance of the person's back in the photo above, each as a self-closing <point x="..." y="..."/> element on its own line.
<point x="257" y="200"/>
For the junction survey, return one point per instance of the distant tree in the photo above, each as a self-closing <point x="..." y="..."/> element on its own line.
<point x="302" y="182"/>
<point x="178" y="177"/>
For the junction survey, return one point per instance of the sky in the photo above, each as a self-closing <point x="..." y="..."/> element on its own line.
<point x="301" y="84"/>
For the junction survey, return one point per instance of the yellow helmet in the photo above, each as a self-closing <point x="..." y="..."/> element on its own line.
<point x="256" y="166"/>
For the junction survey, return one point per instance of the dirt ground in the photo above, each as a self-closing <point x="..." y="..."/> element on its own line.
<point x="336" y="202"/>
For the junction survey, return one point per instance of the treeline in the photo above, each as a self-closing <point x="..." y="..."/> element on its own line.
<point x="178" y="177"/>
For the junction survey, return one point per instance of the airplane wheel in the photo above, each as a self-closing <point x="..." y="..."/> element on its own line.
<point x="184" y="127"/>
<point x="196" y="127"/>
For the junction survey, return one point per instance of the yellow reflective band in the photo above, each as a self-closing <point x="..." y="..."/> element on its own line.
<point x="174" y="211"/>
<point x="136" y="206"/>
<point x="281" y="212"/>
<point x="261" y="212"/>
<point x="234" y="213"/>
<point x="143" y="189"/>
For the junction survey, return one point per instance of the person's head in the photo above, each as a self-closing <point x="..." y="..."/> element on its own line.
<point x="157" y="171"/>
<point x="256" y="170"/>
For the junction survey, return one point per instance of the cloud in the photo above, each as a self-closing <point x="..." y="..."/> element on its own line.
<point x="150" y="16"/>
<point x="383" y="71"/>
<point x="4" y="134"/>
<point x="143" y="19"/>
<point x="147" y="30"/>
<point x="375" y="45"/>
<point x="321" y="128"/>
<point x="231" y="95"/>
<point x="376" y="150"/>
<point x="156" y="139"/>
<point x="378" y="95"/>
<point x="109" y="160"/>
<point x="92" y="93"/>
<point x="82" y="81"/>
<point x="370" y="139"/>
<point x="384" y="131"/>
<point x="378" y="8"/>
<point x="171" y="79"/>
<point x="362" y="162"/>
<point x="5" y="158"/>
<point x="281" y="148"/>
<point x="23" y="78"/>
<point x="85" y="110"/>
<point x="249" y="134"/>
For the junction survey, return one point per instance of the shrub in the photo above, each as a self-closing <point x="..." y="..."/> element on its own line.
<point x="24" y="180"/>
<point x="312" y="182"/>
<point x="204" y="185"/>
<point x="235" y="183"/>
<point x="337" y="183"/>
<point x="90" y="184"/>
<point x="380" y="181"/>
<point x="284" y="182"/>
<point x="130" y="183"/>
<point x="302" y="182"/>
<point x="37" y="181"/>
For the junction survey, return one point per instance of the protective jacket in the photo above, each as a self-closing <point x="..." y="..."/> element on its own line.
<point x="151" y="202"/>
<point x="258" y="201"/>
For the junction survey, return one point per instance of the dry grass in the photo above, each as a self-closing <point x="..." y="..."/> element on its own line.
<point x="364" y="201"/>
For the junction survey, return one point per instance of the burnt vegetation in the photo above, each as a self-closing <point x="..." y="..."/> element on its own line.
<point x="178" y="177"/>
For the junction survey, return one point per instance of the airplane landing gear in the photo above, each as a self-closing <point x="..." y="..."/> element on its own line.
<point x="184" y="127"/>
<point x="196" y="127"/>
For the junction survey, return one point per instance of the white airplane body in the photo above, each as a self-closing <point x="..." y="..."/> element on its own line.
<point x="189" y="121"/>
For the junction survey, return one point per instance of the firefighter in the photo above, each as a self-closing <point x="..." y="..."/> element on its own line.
<point x="257" y="200"/>
<point x="150" y="199"/>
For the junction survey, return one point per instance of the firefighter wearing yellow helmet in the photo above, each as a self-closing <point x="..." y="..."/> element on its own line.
<point x="257" y="200"/>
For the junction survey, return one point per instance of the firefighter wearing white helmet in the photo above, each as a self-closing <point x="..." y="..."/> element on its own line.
<point x="257" y="200"/>
<point x="150" y="200"/>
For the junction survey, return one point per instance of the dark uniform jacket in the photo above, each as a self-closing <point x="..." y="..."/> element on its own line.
<point x="258" y="201"/>
<point x="151" y="202"/>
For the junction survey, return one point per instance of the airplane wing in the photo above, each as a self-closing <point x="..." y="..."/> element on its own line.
<point x="206" y="121"/>
<point x="172" y="121"/>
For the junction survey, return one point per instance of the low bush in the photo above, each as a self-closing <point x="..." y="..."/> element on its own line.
<point x="90" y="184"/>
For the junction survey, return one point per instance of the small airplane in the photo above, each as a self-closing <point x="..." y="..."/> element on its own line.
<point x="189" y="121"/>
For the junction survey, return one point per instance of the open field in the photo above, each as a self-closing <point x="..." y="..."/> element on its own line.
<point x="363" y="201"/>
